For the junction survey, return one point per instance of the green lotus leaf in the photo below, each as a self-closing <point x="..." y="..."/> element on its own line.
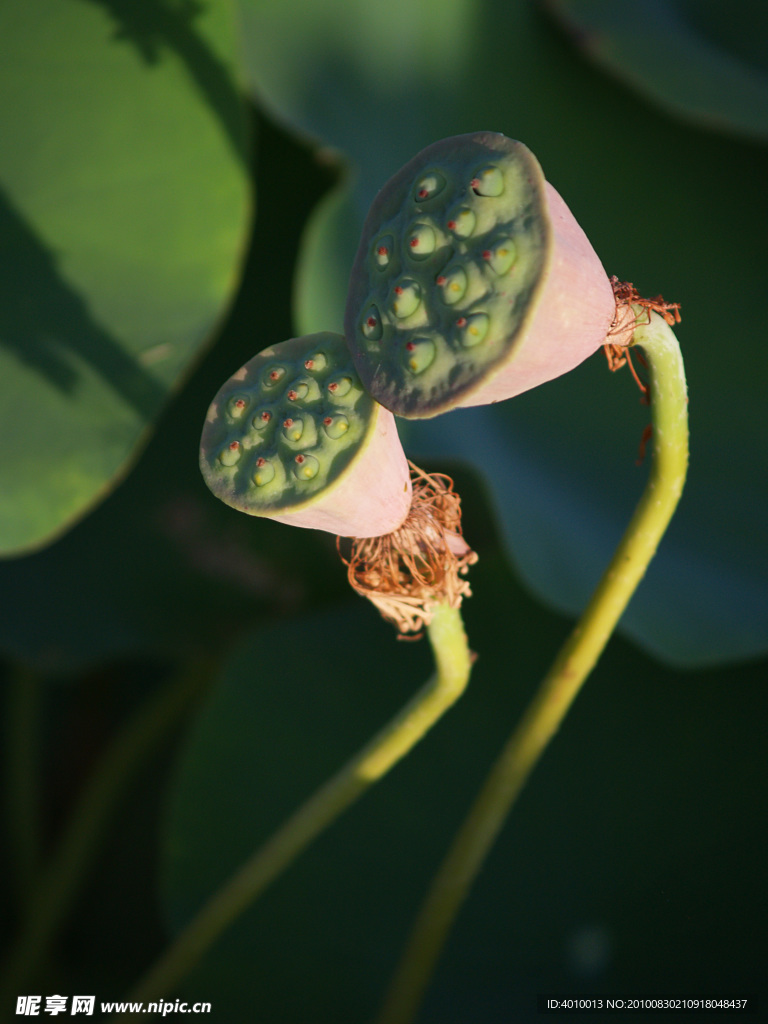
<point x="703" y="61"/>
<point x="123" y="207"/>
<point x="160" y="567"/>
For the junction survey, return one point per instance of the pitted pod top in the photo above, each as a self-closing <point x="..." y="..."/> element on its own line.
<point x="451" y="254"/>
<point x="286" y="430"/>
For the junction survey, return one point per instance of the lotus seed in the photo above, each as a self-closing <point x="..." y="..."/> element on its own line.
<point x="273" y="376"/>
<point x="265" y="472"/>
<point x="316" y="362"/>
<point x="293" y="429"/>
<point x="419" y="354"/>
<point x="462" y="223"/>
<point x="306" y="467"/>
<point x="488" y="181"/>
<point x="502" y="256"/>
<point x="453" y="285"/>
<point x="382" y="251"/>
<point x="407" y="299"/>
<point x="231" y="454"/>
<point x="336" y="426"/>
<point x="429" y="186"/>
<point x="473" y="329"/>
<point x="300" y="391"/>
<point x="339" y="388"/>
<point x="372" y="324"/>
<point x="421" y="241"/>
<point x="237" y="407"/>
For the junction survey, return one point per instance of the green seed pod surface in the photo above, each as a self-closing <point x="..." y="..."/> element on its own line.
<point x="451" y="253"/>
<point x="286" y="430"/>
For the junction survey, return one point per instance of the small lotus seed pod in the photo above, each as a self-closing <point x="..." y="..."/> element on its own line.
<point x="502" y="290"/>
<point x="293" y="436"/>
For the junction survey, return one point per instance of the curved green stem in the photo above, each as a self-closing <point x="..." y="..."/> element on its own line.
<point x="564" y="680"/>
<point x="57" y="886"/>
<point x="453" y="663"/>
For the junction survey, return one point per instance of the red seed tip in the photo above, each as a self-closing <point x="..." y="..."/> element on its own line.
<point x="371" y="321"/>
<point x="474" y="183"/>
<point x="410" y="346"/>
<point x="328" y="421"/>
<point x="292" y="395"/>
<point x="461" y="322"/>
<point x="398" y="290"/>
<point x="414" y="243"/>
<point x="423" y="193"/>
<point x="333" y="386"/>
<point x="261" y="462"/>
<point x="487" y="254"/>
<point x="288" y="422"/>
<point x="383" y="250"/>
<point x="266" y="416"/>
<point x="309" y="364"/>
<point x="240" y="403"/>
<point x="440" y="279"/>
<point x="274" y="375"/>
<point x="234" y="445"/>
<point x="299" y="459"/>
<point x="451" y="225"/>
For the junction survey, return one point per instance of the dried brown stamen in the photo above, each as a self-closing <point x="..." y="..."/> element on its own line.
<point x="627" y="295"/>
<point x="618" y="356"/>
<point x="617" y="353"/>
<point x="420" y="565"/>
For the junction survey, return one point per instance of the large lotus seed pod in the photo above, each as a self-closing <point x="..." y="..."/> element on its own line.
<point x="473" y="282"/>
<point x="293" y="436"/>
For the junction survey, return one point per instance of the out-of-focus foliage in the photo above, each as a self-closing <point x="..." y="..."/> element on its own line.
<point x="705" y="61"/>
<point x="123" y="213"/>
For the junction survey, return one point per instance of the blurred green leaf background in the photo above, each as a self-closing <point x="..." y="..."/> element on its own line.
<point x="183" y="183"/>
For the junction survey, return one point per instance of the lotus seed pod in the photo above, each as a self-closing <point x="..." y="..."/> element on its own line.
<point x="488" y="287"/>
<point x="293" y="436"/>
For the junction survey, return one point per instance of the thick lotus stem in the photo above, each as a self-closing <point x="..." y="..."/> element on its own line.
<point x="419" y="566"/>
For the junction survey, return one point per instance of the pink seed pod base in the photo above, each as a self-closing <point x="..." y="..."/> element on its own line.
<point x="569" y="320"/>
